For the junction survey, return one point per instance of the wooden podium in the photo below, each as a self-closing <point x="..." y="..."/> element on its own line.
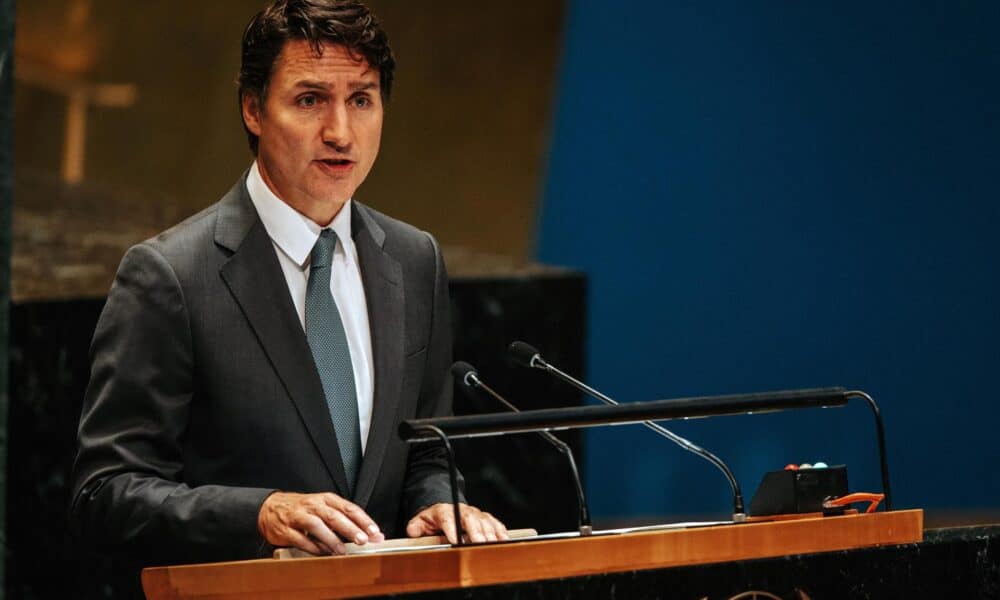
<point x="463" y="567"/>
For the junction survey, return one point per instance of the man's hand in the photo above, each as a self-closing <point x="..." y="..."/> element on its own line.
<point x="477" y="525"/>
<point x="316" y="523"/>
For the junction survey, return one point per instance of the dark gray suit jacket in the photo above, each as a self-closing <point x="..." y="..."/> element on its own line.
<point x="204" y="397"/>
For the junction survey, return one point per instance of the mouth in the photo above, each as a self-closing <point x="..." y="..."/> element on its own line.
<point x="336" y="164"/>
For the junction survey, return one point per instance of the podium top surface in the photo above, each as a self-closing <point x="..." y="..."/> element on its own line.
<point x="467" y="566"/>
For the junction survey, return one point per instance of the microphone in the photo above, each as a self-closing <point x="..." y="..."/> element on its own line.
<point x="529" y="356"/>
<point x="466" y="374"/>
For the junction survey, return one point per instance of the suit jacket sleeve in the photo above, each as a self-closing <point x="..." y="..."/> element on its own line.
<point x="427" y="480"/>
<point x="128" y="489"/>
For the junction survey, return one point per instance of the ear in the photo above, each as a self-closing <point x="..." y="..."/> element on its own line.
<point x="252" y="113"/>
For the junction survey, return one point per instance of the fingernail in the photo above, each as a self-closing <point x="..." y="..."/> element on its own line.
<point x="340" y="549"/>
<point x="378" y="538"/>
<point x="373" y="529"/>
<point x="491" y="537"/>
<point x="360" y="538"/>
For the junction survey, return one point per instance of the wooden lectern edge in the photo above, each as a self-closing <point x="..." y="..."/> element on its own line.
<point x="462" y="567"/>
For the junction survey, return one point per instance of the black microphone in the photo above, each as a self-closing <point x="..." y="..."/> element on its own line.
<point x="529" y="356"/>
<point x="466" y="374"/>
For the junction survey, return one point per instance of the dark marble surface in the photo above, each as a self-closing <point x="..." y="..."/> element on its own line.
<point x="950" y="563"/>
<point x="49" y="367"/>
<point x="518" y="478"/>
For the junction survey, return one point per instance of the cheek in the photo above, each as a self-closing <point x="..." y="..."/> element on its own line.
<point x="374" y="140"/>
<point x="289" y="131"/>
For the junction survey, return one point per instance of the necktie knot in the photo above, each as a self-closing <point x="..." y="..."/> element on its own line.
<point x="322" y="252"/>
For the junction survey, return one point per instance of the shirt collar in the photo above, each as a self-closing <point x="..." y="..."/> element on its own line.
<point x="294" y="233"/>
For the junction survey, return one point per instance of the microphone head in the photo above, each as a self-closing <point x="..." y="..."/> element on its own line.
<point x="464" y="373"/>
<point x="525" y="354"/>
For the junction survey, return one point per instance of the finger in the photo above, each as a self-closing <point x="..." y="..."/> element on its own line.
<point x="344" y="527"/>
<point x="445" y="523"/>
<point x="493" y="528"/>
<point x="302" y="542"/>
<point x="321" y="545"/>
<point x="473" y="525"/>
<point x="488" y="524"/>
<point x="318" y="530"/>
<point x="358" y="517"/>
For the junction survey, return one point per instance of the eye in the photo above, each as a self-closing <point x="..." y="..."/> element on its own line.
<point x="307" y="100"/>
<point x="361" y="101"/>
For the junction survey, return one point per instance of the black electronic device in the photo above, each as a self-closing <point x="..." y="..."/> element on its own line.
<point x="794" y="491"/>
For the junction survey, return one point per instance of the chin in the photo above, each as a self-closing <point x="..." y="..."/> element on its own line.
<point x="333" y="194"/>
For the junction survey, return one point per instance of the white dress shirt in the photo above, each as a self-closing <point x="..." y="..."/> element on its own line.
<point x="294" y="235"/>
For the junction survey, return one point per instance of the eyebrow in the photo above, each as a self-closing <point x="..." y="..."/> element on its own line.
<point x="354" y="87"/>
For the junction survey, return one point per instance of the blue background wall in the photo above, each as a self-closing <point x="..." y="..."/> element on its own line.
<point x="773" y="195"/>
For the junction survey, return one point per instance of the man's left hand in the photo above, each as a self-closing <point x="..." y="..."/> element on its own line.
<point x="478" y="526"/>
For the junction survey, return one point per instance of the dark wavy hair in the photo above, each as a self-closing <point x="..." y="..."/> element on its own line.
<point x="348" y="23"/>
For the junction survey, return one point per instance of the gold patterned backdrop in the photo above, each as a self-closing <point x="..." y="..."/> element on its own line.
<point x="126" y="122"/>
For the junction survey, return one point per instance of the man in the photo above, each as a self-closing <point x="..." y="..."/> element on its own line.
<point x="252" y="364"/>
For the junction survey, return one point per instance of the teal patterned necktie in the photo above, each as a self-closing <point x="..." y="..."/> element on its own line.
<point x="328" y="341"/>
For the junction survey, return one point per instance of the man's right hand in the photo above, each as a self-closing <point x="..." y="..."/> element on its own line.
<point x="316" y="523"/>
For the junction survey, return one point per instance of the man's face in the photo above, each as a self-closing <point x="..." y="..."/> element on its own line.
<point x="319" y="127"/>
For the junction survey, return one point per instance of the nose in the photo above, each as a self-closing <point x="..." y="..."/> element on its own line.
<point x="336" y="129"/>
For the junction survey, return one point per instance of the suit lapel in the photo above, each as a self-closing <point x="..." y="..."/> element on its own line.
<point x="382" y="279"/>
<point x="257" y="282"/>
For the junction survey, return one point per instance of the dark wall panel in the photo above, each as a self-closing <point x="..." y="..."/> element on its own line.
<point x="6" y="187"/>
